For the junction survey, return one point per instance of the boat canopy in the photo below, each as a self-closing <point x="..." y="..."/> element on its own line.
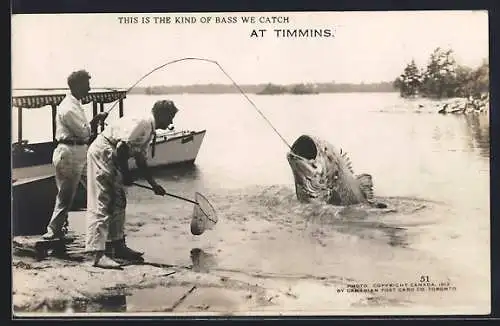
<point x="38" y="98"/>
<point x="42" y="99"/>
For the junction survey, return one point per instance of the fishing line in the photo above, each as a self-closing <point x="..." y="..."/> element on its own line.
<point x="225" y="73"/>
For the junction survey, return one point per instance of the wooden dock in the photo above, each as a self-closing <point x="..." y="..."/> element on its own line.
<point x="37" y="247"/>
<point x="70" y="249"/>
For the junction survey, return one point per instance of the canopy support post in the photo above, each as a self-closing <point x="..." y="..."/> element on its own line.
<point x="19" y="125"/>
<point x="94" y="112"/>
<point x="102" y="110"/>
<point x="54" y="111"/>
<point x="120" y="107"/>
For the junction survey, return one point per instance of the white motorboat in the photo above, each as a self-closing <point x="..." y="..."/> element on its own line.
<point x="173" y="148"/>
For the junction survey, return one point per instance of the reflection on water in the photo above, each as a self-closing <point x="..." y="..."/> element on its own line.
<point x="394" y="235"/>
<point x="181" y="172"/>
<point x="105" y="303"/>
<point x="185" y="172"/>
<point x="202" y="261"/>
<point x="114" y="303"/>
<point x="478" y="130"/>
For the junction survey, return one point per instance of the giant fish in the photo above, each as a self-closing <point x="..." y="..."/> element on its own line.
<point x="323" y="173"/>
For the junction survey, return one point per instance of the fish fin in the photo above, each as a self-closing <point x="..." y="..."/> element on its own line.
<point x="347" y="160"/>
<point x="366" y="185"/>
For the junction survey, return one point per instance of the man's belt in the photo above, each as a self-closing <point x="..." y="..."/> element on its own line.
<point x="72" y="142"/>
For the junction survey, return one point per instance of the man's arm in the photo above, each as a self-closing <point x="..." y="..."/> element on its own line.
<point x="125" y="149"/>
<point x="121" y="161"/>
<point x="101" y="116"/>
<point x="142" y="165"/>
<point x="75" y="124"/>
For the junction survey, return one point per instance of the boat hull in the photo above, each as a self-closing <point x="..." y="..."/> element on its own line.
<point x="183" y="148"/>
<point x="33" y="200"/>
<point x="177" y="149"/>
<point x="32" y="160"/>
<point x="36" y="171"/>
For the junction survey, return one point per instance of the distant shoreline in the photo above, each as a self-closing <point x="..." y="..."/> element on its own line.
<point x="263" y="89"/>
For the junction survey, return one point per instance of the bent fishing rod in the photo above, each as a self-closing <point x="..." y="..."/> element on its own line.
<point x="225" y="73"/>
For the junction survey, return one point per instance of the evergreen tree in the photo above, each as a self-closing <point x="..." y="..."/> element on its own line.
<point x="410" y="81"/>
<point x="443" y="78"/>
<point x="439" y="79"/>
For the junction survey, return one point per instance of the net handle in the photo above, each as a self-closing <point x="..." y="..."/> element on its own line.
<point x="168" y="194"/>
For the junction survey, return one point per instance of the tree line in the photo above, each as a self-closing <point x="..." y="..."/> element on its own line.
<point x="443" y="77"/>
<point x="267" y="88"/>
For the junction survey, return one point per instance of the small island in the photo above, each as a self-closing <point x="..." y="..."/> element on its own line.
<point x="298" y="89"/>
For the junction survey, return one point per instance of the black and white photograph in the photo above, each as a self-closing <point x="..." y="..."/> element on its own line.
<point x="329" y="163"/>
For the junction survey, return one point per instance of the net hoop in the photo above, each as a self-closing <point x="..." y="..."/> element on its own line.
<point x="204" y="215"/>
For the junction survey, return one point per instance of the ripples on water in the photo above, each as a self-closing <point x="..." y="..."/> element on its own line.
<point x="395" y="226"/>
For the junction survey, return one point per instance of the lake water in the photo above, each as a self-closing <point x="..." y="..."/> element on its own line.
<point x="412" y="153"/>
<point x="409" y="153"/>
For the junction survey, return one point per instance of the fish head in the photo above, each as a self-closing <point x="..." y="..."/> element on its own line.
<point x="312" y="170"/>
<point x="323" y="173"/>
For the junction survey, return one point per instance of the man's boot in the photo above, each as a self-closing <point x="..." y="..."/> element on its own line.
<point x="109" y="249"/>
<point x="103" y="261"/>
<point x="51" y="235"/>
<point x="54" y="235"/>
<point x="121" y="251"/>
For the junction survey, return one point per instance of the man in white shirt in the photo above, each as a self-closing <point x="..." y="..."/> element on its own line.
<point x="73" y="133"/>
<point x="108" y="172"/>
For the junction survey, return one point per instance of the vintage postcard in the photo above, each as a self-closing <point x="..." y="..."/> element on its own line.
<point x="301" y="163"/>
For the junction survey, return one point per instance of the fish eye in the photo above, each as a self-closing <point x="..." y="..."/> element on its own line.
<point x="314" y="165"/>
<point x="336" y="175"/>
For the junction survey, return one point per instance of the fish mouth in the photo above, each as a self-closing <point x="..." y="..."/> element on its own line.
<point x="302" y="160"/>
<point x="302" y="155"/>
<point x="304" y="147"/>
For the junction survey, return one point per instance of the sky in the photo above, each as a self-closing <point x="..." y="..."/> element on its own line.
<point x="366" y="47"/>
